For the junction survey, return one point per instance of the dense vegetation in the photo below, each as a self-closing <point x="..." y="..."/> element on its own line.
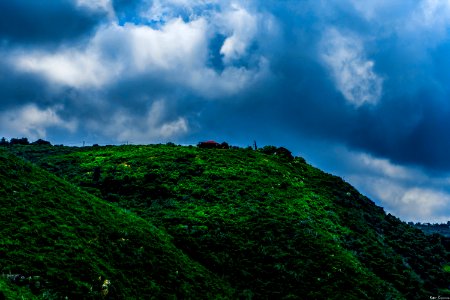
<point x="74" y="242"/>
<point x="205" y="223"/>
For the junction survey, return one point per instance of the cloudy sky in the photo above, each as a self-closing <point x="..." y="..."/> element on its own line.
<point x="361" y="89"/>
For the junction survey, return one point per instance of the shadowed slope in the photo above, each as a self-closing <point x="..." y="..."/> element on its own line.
<point x="74" y="242"/>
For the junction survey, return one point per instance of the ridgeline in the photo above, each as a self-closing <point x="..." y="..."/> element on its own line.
<point x="173" y="222"/>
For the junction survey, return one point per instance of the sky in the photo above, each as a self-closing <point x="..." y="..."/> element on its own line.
<point x="361" y="89"/>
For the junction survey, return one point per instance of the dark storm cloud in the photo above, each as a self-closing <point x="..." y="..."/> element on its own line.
<point x="47" y="21"/>
<point x="410" y="122"/>
<point x="17" y="88"/>
<point x="369" y="78"/>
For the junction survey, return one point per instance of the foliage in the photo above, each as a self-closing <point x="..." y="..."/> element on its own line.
<point x="280" y="151"/>
<point x="41" y="142"/>
<point x="4" y="142"/>
<point x="11" y="291"/>
<point x="21" y="141"/>
<point x="262" y="223"/>
<point x="70" y="239"/>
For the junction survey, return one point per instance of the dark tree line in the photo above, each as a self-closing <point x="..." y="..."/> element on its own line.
<point x="280" y="151"/>
<point x="213" y="145"/>
<point x="22" y="141"/>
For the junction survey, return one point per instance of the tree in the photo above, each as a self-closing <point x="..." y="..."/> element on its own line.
<point x="41" y="142"/>
<point x="96" y="174"/>
<point x="208" y="145"/>
<point x="22" y="141"/>
<point x="280" y="151"/>
<point x="270" y="150"/>
<point x="4" y="142"/>
<point x="284" y="152"/>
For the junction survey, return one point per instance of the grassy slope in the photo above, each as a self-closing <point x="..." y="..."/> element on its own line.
<point x="9" y="291"/>
<point x="69" y="238"/>
<point x="270" y="226"/>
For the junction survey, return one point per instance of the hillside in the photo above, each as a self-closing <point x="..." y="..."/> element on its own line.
<point x="257" y="224"/>
<point x="71" y="242"/>
<point x="10" y="291"/>
<point x="442" y="229"/>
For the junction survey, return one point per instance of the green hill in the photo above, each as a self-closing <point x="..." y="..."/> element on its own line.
<point x="246" y="224"/>
<point x="71" y="242"/>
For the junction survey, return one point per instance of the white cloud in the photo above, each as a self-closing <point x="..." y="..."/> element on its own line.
<point x="69" y="67"/>
<point x="418" y="24"/>
<point x="117" y="51"/>
<point x="177" y="45"/>
<point x="176" y="53"/>
<point x="152" y="127"/>
<point x="385" y="11"/>
<point x="351" y="71"/>
<point x="406" y="192"/>
<point x="411" y="203"/>
<point x="162" y="11"/>
<point x="241" y="27"/>
<point x="386" y="168"/>
<point x="33" y="122"/>
<point x="433" y="14"/>
<point x="230" y="81"/>
<point x="97" y="5"/>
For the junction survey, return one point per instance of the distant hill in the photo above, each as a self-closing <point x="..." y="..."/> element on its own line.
<point x="442" y="229"/>
<point x="224" y="223"/>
